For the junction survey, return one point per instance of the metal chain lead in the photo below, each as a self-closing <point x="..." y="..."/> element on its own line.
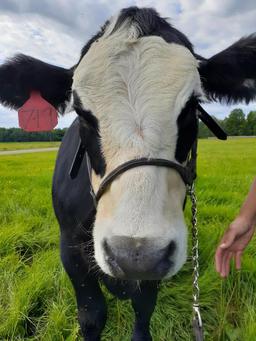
<point x="197" y="320"/>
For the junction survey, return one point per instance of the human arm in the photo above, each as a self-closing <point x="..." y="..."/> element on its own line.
<point x="238" y="235"/>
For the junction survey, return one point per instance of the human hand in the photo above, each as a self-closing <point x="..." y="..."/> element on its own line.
<point x="232" y="244"/>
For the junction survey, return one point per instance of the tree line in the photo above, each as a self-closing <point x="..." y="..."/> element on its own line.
<point x="236" y="124"/>
<point x="19" y="135"/>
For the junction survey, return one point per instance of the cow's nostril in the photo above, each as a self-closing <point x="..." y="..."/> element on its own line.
<point x="166" y="262"/>
<point x="111" y="260"/>
<point x="170" y="249"/>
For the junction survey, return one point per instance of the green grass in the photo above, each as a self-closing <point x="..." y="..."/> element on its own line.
<point x="37" y="300"/>
<point x="5" y="146"/>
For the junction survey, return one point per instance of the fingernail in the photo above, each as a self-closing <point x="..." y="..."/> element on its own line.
<point x="223" y="245"/>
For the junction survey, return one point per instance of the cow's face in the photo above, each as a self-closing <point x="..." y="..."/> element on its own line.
<point x="135" y="88"/>
<point x="139" y="89"/>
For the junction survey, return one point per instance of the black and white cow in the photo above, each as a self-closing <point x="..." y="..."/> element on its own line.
<point x="135" y="90"/>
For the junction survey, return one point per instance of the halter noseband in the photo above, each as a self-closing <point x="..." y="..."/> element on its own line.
<point x="187" y="173"/>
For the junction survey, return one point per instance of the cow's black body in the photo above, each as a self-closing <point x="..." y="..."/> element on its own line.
<point x="73" y="203"/>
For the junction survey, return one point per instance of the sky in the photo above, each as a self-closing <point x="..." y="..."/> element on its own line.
<point x="55" y="31"/>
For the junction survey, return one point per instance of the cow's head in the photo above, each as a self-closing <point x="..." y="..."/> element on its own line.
<point x="136" y="88"/>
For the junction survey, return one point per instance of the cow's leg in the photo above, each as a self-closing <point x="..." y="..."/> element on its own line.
<point x="143" y="303"/>
<point x="92" y="311"/>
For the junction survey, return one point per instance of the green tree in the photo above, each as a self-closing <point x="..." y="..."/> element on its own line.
<point x="203" y="131"/>
<point x="235" y="123"/>
<point x="251" y="123"/>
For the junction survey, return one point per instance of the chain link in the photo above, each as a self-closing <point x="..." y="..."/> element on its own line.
<point x="197" y="320"/>
<point x="89" y="169"/>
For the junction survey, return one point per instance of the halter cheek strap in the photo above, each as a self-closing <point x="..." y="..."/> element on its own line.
<point x="210" y="123"/>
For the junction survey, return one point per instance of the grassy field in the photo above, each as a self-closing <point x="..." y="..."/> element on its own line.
<point x="36" y="298"/>
<point x="4" y="146"/>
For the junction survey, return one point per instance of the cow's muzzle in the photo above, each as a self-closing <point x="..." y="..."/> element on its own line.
<point x="137" y="258"/>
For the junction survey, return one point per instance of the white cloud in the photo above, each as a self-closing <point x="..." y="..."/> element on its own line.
<point x="55" y="31"/>
<point x="38" y="36"/>
<point x="213" y="25"/>
<point x="78" y="15"/>
<point x="228" y="7"/>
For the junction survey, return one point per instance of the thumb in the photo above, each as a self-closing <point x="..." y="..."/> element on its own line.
<point x="228" y="239"/>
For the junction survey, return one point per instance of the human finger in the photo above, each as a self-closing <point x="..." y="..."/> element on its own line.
<point x="226" y="265"/>
<point x="218" y="258"/>
<point x="238" y="257"/>
<point x="224" y="258"/>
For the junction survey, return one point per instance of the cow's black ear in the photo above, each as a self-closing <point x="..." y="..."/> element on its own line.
<point x="23" y="74"/>
<point x="230" y="76"/>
